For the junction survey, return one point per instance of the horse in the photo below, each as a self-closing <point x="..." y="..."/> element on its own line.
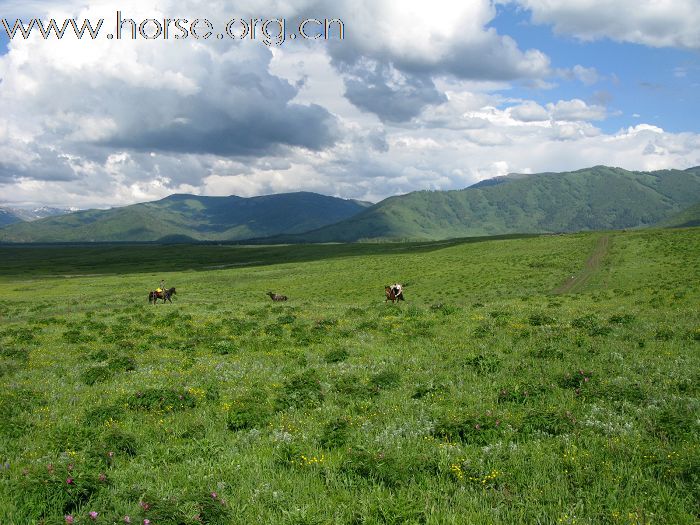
<point x="165" y="295"/>
<point x="391" y="295"/>
<point x="277" y="297"/>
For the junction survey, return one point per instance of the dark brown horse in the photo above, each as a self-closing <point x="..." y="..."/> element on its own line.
<point x="277" y="297"/>
<point x="165" y="295"/>
<point x="391" y="295"/>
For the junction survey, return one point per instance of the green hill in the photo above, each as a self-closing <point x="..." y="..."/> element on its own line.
<point x="685" y="219"/>
<point x="189" y="217"/>
<point x="598" y="198"/>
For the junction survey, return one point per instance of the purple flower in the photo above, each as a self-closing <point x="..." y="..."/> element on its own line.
<point x="127" y="519"/>
<point x="214" y="495"/>
<point x="69" y="518"/>
<point x="146" y="522"/>
<point x="69" y="481"/>
<point x="93" y="515"/>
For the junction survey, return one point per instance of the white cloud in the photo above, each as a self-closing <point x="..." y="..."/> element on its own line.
<point x="649" y="22"/>
<point x="575" y="110"/>
<point x="587" y="75"/>
<point x="412" y="100"/>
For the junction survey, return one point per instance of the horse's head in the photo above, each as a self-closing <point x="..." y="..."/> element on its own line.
<point x="172" y="291"/>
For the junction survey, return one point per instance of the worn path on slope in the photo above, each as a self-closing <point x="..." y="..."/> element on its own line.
<point x="576" y="283"/>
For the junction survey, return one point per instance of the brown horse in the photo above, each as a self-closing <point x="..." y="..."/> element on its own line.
<point x="165" y="295"/>
<point x="277" y="297"/>
<point x="391" y="295"/>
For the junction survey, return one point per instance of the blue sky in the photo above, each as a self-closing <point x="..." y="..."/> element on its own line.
<point x="661" y="85"/>
<point x="418" y="96"/>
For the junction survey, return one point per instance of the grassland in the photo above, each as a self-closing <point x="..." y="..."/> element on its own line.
<point x="484" y="398"/>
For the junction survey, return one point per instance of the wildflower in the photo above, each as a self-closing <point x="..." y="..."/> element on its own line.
<point x="49" y="467"/>
<point x="144" y="505"/>
<point x="127" y="519"/>
<point x="214" y="495"/>
<point x="69" y="518"/>
<point x="110" y="454"/>
<point x="69" y="481"/>
<point x="146" y="522"/>
<point x="102" y="477"/>
<point x="93" y="515"/>
<point x="70" y="466"/>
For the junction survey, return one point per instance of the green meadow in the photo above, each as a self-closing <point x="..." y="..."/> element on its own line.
<point x="542" y="379"/>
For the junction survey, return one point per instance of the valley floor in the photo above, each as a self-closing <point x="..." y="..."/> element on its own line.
<point x="502" y="391"/>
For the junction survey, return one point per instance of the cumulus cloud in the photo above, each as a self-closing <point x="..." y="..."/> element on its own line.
<point x="575" y="110"/>
<point x="414" y="98"/>
<point x="563" y="110"/>
<point x="648" y="22"/>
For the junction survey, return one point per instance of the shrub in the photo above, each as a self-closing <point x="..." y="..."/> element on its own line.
<point x="385" y="380"/>
<point x="167" y="399"/>
<point x="335" y="433"/>
<point x="354" y="386"/>
<point x="478" y="429"/>
<point x="101" y="414"/>
<point x="247" y="412"/>
<point x="541" y="319"/>
<point x="623" y="319"/>
<point x="547" y="421"/>
<point x="96" y="374"/>
<point x="301" y="391"/>
<point x="483" y="364"/>
<point x="520" y="393"/>
<point x="336" y="355"/>
<point x="122" y="364"/>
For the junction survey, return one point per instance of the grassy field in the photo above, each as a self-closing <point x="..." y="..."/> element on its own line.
<point x="546" y="380"/>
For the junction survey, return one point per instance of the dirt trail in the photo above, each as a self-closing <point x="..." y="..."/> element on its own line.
<point x="576" y="282"/>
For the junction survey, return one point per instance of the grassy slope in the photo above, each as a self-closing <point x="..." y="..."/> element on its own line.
<point x="685" y="219"/>
<point x="593" y="199"/>
<point x="188" y="216"/>
<point x="483" y="399"/>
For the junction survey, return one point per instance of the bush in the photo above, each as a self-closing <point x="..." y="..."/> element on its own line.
<point x="96" y="374"/>
<point x="478" y="429"/>
<point x="335" y="433"/>
<point x="385" y="380"/>
<point x="483" y="364"/>
<point x="354" y="386"/>
<point x="336" y="355"/>
<point x="167" y="399"/>
<point x="540" y="319"/>
<point x="520" y="393"/>
<point x="122" y="364"/>
<point x="547" y="421"/>
<point x="623" y="319"/>
<point x="247" y="412"/>
<point x="301" y="391"/>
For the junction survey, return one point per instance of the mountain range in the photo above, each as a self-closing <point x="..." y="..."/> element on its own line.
<point x="597" y="198"/>
<point x="13" y="215"/>
<point x="184" y="218"/>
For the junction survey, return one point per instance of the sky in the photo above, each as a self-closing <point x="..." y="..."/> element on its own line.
<point x="417" y="96"/>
